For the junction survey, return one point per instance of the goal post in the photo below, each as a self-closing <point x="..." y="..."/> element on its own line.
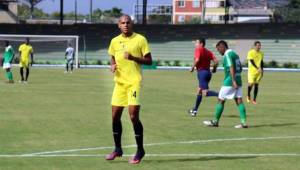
<point x="47" y="48"/>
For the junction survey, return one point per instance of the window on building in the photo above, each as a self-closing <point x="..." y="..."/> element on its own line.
<point x="222" y="4"/>
<point x="181" y="3"/>
<point x="212" y="4"/>
<point x="212" y="18"/>
<point x="222" y="18"/>
<point x="196" y="3"/>
<point x="215" y="4"/>
<point x="181" y="18"/>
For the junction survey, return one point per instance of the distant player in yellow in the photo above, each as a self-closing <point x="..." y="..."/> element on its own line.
<point x="255" y="70"/>
<point x="128" y="51"/>
<point x="25" y="50"/>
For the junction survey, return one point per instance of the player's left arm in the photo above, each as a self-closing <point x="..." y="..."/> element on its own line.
<point x="146" y="59"/>
<point x="232" y="74"/>
<point x="13" y="55"/>
<point x="216" y="63"/>
<point x="262" y="67"/>
<point x="31" y="55"/>
<point x="232" y="71"/>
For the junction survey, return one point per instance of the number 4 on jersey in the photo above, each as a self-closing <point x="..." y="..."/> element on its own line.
<point x="134" y="94"/>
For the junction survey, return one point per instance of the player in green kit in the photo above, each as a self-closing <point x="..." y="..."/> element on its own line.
<point x="8" y="57"/>
<point x="232" y="85"/>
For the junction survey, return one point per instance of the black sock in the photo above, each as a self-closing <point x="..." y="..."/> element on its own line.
<point x="255" y="91"/>
<point x="71" y="67"/>
<point x="27" y="74"/>
<point x="249" y="90"/>
<point x="67" y="67"/>
<point x="21" y="73"/>
<point x="117" y="132"/>
<point x="198" y="102"/>
<point x="138" y="130"/>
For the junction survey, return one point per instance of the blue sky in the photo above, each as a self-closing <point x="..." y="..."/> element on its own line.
<point x="83" y="6"/>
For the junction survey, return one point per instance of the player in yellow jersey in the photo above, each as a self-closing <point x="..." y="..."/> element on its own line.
<point x="25" y="50"/>
<point x="128" y="51"/>
<point x="255" y="70"/>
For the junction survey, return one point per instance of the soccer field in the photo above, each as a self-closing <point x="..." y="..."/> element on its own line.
<point x="63" y="121"/>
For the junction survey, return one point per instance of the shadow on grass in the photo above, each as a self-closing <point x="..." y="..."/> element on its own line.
<point x="193" y="159"/>
<point x="280" y="102"/>
<point x="274" y="125"/>
<point x="198" y="159"/>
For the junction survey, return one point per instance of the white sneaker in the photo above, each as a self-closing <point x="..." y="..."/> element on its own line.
<point x="240" y="126"/>
<point x="211" y="123"/>
<point x="192" y="112"/>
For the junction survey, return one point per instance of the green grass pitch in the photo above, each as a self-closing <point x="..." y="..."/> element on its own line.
<point x="60" y="112"/>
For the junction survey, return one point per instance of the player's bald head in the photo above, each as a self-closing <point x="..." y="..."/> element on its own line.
<point x="125" y="24"/>
<point x="125" y="16"/>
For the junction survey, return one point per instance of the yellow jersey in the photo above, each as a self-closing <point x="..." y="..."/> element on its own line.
<point x="257" y="57"/>
<point x="25" y="50"/>
<point x="128" y="71"/>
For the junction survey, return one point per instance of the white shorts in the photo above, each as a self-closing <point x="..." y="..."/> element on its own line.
<point x="69" y="61"/>
<point x="6" y="65"/>
<point x="228" y="92"/>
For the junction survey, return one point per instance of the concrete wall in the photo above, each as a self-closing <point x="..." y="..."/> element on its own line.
<point x="9" y="16"/>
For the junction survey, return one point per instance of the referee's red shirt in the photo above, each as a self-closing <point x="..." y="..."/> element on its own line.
<point x="205" y="56"/>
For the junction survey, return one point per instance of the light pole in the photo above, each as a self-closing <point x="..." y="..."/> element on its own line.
<point x="144" y="12"/>
<point x="61" y="12"/>
<point x="203" y="12"/>
<point x="91" y="10"/>
<point x="75" y="11"/>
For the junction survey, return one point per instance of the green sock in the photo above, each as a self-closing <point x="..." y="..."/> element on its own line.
<point x="219" y="111"/>
<point x="10" y="76"/>
<point x="242" y="110"/>
<point x="7" y="75"/>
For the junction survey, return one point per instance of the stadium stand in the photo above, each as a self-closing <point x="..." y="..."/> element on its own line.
<point x="173" y="42"/>
<point x="258" y="3"/>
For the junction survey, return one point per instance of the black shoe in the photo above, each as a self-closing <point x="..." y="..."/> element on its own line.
<point x="211" y="123"/>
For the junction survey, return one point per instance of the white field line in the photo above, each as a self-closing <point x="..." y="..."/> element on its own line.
<point x="164" y="155"/>
<point x="164" y="143"/>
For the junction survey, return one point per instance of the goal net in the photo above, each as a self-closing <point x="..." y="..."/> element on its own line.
<point x="48" y="49"/>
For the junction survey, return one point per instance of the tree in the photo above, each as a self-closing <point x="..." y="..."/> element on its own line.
<point x="294" y="4"/>
<point x="97" y="14"/>
<point x="32" y="4"/>
<point x="159" y="19"/>
<point x="114" y="12"/>
<point x="24" y="12"/>
<point x="289" y="13"/>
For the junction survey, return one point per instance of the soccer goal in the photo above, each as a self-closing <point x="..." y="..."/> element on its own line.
<point x="48" y="49"/>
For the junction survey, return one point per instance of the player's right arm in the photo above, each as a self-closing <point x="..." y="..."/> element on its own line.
<point x="66" y="53"/>
<point x="250" y="57"/>
<point x="113" y="64"/>
<point x="196" y="59"/>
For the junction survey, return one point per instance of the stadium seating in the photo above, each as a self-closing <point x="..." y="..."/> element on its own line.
<point x="280" y="42"/>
